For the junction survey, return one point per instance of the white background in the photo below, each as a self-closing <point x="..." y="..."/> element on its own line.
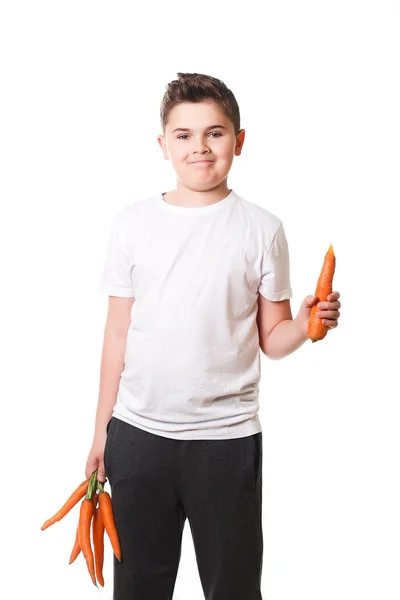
<point x="317" y="83"/>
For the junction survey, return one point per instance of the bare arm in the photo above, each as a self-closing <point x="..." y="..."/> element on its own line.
<point x="279" y="333"/>
<point x="112" y="360"/>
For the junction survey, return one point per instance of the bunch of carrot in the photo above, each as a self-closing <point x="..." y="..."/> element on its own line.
<point x="95" y="514"/>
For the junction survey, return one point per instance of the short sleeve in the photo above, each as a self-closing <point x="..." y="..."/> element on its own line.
<point x="116" y="276"/>
<point x="275" y="277"/>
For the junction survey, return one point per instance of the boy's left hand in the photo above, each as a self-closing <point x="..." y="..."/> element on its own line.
<point x="327" y="311"/>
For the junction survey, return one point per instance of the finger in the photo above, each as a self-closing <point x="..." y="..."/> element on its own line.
<point x="330" y="323"/>
<point x="329" y="305"/>
<point x="328" y="314"/>
<point x="333" y="296"/>
<point x="101" y="475"/>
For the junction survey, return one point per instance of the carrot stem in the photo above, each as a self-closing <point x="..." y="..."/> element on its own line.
<point x="92" y="485"/>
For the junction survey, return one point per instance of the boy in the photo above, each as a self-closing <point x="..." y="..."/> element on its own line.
<point x="198" y="280"/>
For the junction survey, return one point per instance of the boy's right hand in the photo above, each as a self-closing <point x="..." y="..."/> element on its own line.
<point x="95" y="461"/>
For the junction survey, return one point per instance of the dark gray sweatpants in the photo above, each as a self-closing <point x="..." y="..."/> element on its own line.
<point x="156" y="483"/>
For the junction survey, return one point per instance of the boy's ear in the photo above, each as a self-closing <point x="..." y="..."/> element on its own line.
<point x="160" y="140"/>
<point x="240" y="141"/>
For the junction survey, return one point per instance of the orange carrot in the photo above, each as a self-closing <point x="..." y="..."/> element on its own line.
<point x="70" y="503"/>
<point x="76" y="549"/>
<point x="316" y="328"/>
<point x="85" y="518"/>
<point x="98" y="544"/>
<point x="109" y="523"/>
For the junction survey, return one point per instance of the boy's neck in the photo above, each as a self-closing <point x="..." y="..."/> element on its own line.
<point x="191" y="199"/>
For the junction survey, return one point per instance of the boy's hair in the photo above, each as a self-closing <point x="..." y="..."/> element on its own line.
<point x="195" y="87"/>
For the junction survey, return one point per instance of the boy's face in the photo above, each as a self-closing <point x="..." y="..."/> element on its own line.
<point x="217" y="145"/>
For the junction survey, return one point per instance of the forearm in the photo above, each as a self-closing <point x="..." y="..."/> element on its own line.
<point x="284" y="339"/>
<point x="112" y="365"/>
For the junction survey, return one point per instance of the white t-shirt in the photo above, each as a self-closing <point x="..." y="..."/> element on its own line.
<point x="192" y="359"/>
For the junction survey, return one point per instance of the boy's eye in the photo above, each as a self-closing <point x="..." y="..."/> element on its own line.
<point x="184" y="134"/>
